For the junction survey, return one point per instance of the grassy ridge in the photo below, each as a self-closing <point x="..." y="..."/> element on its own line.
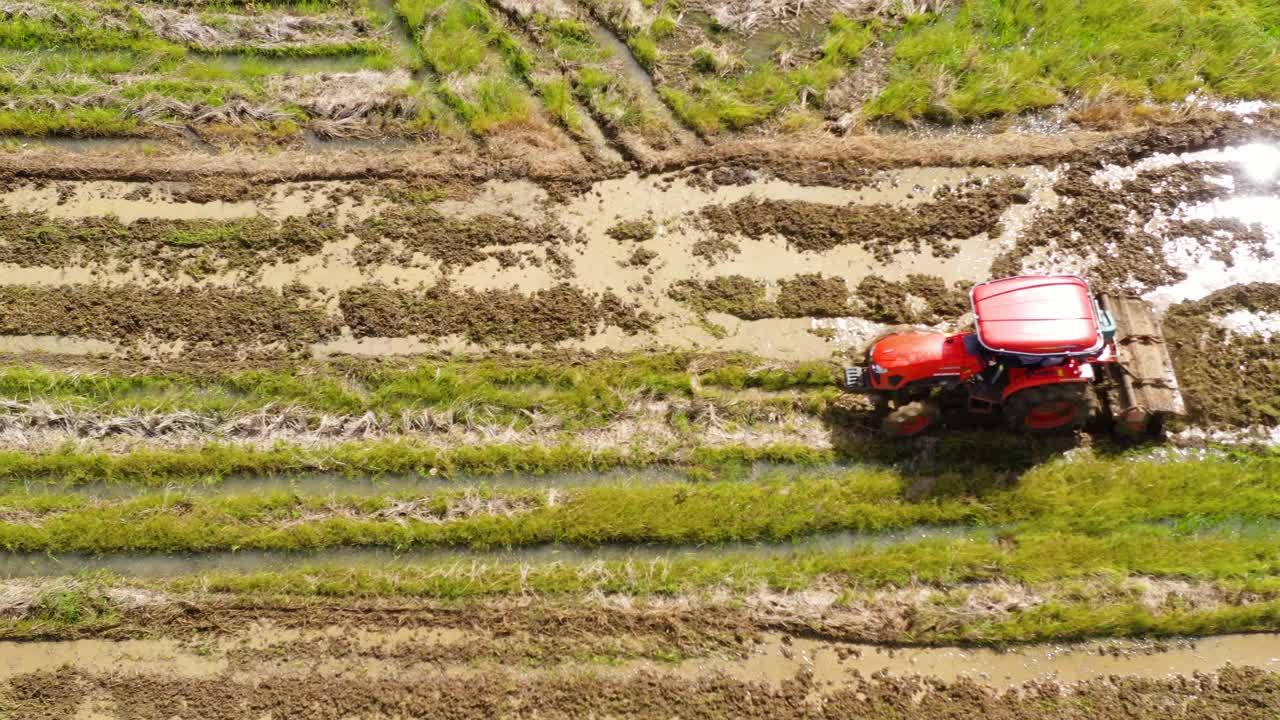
<point x="1243" y="563"/>
<point x="213" y="463"/>
<point x="56" y="56"/>
<point x="715" y="102"/>
<point x="592" y="391"/>
<point x="482" y="64"/>
<point x="684" y="514"/>
<point x="997" y="58"/>
<point x="1083" y="500"/>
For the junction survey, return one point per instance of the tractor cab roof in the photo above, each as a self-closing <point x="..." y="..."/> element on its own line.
<point x="1037" y="315"/>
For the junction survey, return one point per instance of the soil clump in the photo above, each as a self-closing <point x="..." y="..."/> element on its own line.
<point x="489" y="317"/>
<point x="1109" y="224"/>
<point x="217" y="316"/>
<point x="1227" y="379"/>
<point x="881" y="229"/>
<point x="1228" y="694"/>
<point x="194" y="247"/>
<point x="394" y="236"/>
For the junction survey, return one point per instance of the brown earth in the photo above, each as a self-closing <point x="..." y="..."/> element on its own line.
<point x="891" y="302"/>
<point x="396" y="234"/>
<point x="216" y="316"/>
<point x="832" y="161"/>
<point x="735" y="295"/>
<point x="1227" y="380"/>
<point x="919" y="299"/>
<point x="1096" y="220"/>
<point x="881" y="229"/>
<point x="559" y="313"/>
<point x="1245" y="693"/>
<point x="635" y="230"/>
<point x="676" y="624"/>
<point x="193" y="247"/>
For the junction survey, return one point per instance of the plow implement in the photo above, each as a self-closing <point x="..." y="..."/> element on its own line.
<point x="1144" y="389"/>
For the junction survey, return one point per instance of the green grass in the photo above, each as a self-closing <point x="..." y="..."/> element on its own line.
<point x="557" y="97"/>
<point x="1035" y="558"/>
<point x="739" y="100"/>
<point x="483" y="66"/>
<point x="213" y="463"/>
<point x="77" y="122"/>
<point x="107" y="51"/>
<point x="645" y="50"/>
<point x="714" y="512"/>
<point x="591" y="392"/>
<point x="997" y="58"/>
<point x="1088" y="506"/>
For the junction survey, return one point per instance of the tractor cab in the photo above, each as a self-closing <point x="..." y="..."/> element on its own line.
<point x="1032" y="322"/>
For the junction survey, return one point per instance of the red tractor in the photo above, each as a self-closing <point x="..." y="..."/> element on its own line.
<point x="1043" y="351"/>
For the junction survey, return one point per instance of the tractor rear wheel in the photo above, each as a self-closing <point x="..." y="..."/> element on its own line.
<point x="1049" y="408"/>
<point x="910" y="419"/>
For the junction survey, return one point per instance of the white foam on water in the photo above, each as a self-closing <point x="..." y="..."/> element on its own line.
<point x="1206" y="274"/>
<point x="849" y="332"/>
<point x="1256" y="435"/>
<point x="1250" y="322"/>
<point x="1260" y="161"/>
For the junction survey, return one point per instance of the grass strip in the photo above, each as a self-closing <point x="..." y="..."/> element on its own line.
<point x="591" y="390"/>
<point x="213" y="463"/>
<point x="1035" y="557"/>
<point x="988" y="58"/>
<point x="482" y="66"/>
<point x="716" y="99"/>
<point x="665" y="514"/>
<point x="1085" y="501"/>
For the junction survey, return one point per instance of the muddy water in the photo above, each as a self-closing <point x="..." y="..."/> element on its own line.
<point x="670" y="201"/>
<point x="14" y="565"/>
<point x="641" y="80"/>
<point x="1206" y="274"/>
<point x="148" y="656"/>
<point x="1260" y="163"/>
<point x="263" y="650"/>
<point x="779" y="659"/>
<point x="115" y="145"/>
<point x="130" y="201"/>
<point x="23" y="344"/>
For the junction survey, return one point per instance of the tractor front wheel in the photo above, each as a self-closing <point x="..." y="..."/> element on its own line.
<point x="910" y="419"/>
<point x="1049" y="408"/>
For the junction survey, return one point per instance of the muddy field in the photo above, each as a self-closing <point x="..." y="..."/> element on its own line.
<point x="717" y="255"/>
<point x="435" y="358"/>
<point x="152" y="315"/>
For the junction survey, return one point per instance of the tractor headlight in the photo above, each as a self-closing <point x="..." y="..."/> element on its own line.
<point x="877" y="369"/>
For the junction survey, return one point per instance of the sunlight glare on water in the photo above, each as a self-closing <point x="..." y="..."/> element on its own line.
<point x="1261" y="162"/>
<point x="1206" y="274"/>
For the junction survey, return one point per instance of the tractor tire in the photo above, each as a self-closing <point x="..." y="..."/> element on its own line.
<point x="910" y="419"/>
<point x="1049" y="408"/>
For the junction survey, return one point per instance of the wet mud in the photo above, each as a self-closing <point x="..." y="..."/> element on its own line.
<point x="810" y="295"/>
<point x="559" y="313"/>
<point x="1229" y="379"/>
<point x="882" y="230"/>
<point x="1109" y="230"/>
<point x="318" y="692"/>
<point x="723" y="252"/>
<point x="132" y="315"/>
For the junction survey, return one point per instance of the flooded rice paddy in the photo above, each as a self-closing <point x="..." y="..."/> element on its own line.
<point x="263" y="650"/>
<point x="674" y="206"/>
